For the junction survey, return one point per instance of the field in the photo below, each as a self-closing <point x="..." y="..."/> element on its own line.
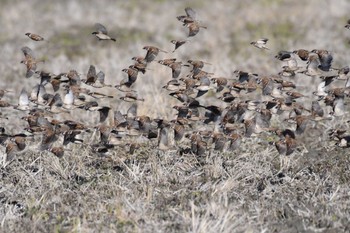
<point x="145" y="185"/>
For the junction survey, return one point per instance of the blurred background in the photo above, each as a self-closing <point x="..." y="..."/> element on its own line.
<point x="232" y="25"/>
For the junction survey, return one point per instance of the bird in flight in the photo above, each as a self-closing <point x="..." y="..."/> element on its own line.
<point x="101" y="32"/>
<point x="260" y="44"/>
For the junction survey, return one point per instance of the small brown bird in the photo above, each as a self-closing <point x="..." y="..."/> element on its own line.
<point x="176" y="68"/>
<point x="220" y="82"/>
<point x="152" y="53"/>
<point x="101" y="32"/>
<point x="132" y="74"/>
<point x="193" y="28"/>
<point x="267" y="85"/>
<point x="301" y="121"/>
<point x="91" y="76"/>
<point x="325" y="58"/>
<point x="178" y="43"/>
<point x="189" y="17"/>
<point x="294" y="94"/>
<point x="29" y="61"/>
<point x="260" y="44"/>
<point x="34" y="37"/>
<point x="302" y="53"/>
<point x="167" y="61"/>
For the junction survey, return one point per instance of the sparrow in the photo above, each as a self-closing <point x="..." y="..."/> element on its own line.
<point x="176" y="68"/>
<point x="29" y="61"/>
<point x="325" y="58"/>
<point x="152" y="53"/>
<point x="91" y="76"/>
<point x="197" y="65"/>
<point x="267" y="85"/>
<point x="303" y="54"/>
<point x="178" y="43"/>
<point x="173" y="85"/>
<point x="193" y="28"/>
<point x="167" y="61"/>
<point x="34" y="37"/>
<point x="189" y="17"/>
<point x="220" y="82"/>
<point x="101" y="32"/>
<point x="260" y="44"/>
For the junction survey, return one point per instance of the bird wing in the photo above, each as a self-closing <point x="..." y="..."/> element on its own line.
<point x="100" y="28"/>
<point x="190" y="12"/>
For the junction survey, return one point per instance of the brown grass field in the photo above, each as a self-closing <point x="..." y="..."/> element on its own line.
<point x="137" y="187"/>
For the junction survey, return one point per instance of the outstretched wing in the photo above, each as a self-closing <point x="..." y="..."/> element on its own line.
<point x="100" y="28"/>
<point x="190" y="12"/>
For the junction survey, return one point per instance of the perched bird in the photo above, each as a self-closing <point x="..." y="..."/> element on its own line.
<point x="101" y="32"/>
<point x="260" y="44"/>
<point x="34" y="37"/>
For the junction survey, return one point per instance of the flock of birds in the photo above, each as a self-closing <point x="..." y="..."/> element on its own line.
<point x="250" y="104"/>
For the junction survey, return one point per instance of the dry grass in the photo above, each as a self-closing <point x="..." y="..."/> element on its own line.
<point x="149" y="190"/>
